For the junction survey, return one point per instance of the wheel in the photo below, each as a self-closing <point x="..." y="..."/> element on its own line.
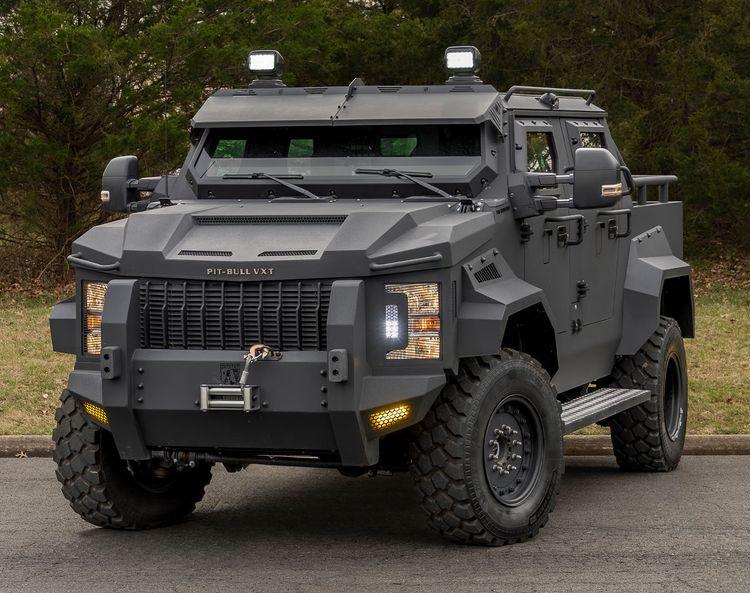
<point x="488" y="457"/>
<point x="109" y="492"/>
<point x="650" y="437"/>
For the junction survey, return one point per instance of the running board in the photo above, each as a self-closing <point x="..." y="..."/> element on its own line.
<point x="598" y="405"/>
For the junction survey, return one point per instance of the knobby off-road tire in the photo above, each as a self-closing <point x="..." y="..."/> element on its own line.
<point x="651" y="436"/>
<point x="463" y="496"/>
<point x="109" y="492"/>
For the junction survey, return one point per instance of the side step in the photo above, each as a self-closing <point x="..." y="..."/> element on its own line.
<point x="598" y="405"/>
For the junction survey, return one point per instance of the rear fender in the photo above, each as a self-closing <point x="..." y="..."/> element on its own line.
<point x="656" y="283"/>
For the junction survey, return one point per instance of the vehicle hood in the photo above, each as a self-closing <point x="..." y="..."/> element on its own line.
<point x="264" y="241"/>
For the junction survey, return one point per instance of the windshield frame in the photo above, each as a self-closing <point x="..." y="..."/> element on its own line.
<point x="457" y="174"/>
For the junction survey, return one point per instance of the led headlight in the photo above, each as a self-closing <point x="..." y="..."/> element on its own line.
<point x="415" y="331"/>
<point x="93" y="305"/>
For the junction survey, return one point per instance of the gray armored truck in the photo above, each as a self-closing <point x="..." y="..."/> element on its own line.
<point x="444" y="279"/>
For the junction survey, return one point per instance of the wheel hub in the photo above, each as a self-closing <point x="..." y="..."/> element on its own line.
<point x="512" y="451"/>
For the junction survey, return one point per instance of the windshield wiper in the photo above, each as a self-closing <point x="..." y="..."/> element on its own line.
<point x="278" y="179"/>
<point x="412" y="176"/>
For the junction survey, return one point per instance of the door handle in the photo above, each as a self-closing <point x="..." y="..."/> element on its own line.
<point x="580" y="221"/>
<point x="627" y="212"/>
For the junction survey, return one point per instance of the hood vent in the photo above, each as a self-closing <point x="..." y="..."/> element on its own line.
<point x="199" y="253"/>
<point x="334" y="219"/>
<point x="487" y="273"/>
<point x="289" y="253"/>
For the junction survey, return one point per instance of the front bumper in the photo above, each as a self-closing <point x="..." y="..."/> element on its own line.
<point x="152" y="396"/>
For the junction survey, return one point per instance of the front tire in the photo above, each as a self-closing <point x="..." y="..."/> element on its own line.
<point x="651" y="436"/>
<point x="109" y="492"/>
<point x="488" y="457"/>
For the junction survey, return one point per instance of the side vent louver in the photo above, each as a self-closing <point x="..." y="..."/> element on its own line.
<point x="389" y="89"/>
<point x="496" y="116"/>
<point x="489" y="272"/>
<point x="278" y="220"/>
<point x="198" y="252"/>
<point x="462" y="89"/>
<point x="288" y="253"/>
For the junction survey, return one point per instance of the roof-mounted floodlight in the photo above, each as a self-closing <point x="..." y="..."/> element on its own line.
<point x="462" y="61"/>
<point x="267" y="65"/>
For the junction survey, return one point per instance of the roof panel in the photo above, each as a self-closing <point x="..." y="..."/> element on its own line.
<point x="269" y="107"/>
<point x="368" y="104"/>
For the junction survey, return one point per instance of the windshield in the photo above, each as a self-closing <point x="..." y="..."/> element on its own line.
<point x="338" y="151"/>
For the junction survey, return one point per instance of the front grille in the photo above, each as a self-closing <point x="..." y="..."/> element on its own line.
<point x="198" y="315"/>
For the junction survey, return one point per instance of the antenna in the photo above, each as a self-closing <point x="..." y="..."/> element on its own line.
<point x="166" y="130"/>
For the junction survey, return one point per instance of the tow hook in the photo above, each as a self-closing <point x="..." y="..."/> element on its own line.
<point x="257" y="352"/>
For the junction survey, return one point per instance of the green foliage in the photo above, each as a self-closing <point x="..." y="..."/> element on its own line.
<point x="82" y="81"/>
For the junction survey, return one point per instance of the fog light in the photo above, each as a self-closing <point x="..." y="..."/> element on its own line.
<point x="96" y="412"/>
<point x="388" y="417"/>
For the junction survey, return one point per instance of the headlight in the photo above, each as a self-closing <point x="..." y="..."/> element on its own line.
<point x="93" y="305"/>
<point x="422" y="323"/>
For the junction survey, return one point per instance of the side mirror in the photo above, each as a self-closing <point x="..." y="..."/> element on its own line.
<point x="596" y="178"/>
<point x="120" y="183"/>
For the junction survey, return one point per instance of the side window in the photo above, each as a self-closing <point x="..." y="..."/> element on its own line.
<point x="540" y="153"/>
<point x="592" y="140"/>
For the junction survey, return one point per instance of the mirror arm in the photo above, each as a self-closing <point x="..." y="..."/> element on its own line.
<point x="628" y="179"/>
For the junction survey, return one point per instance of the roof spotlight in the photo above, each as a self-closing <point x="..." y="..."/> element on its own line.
<point x="266" y="64"/>
<point x="462" y="61"/>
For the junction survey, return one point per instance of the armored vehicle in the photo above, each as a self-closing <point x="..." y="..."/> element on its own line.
<point x="441" y="278"/>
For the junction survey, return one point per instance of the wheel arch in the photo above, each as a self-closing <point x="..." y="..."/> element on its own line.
<point x="677" y="302"/>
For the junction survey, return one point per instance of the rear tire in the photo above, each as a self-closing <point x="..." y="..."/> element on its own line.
<point x="651" y="436"/>
<point x="109" y="492"/>
<point x="488" y="457"/>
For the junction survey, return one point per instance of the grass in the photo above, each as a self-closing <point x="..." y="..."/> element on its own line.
<point x="32" y="376"/>
<point x="718" y="364"/>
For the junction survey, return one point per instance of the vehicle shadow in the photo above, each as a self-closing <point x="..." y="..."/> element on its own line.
<point x="317" y="508"/>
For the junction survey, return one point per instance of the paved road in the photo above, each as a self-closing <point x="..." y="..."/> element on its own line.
<point x="284" y="529"/>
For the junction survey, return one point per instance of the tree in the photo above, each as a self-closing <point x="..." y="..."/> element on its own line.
<point x="82" y="81"/>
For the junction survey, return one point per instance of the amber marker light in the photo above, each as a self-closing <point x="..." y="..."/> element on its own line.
<point x="96" y="412"/>
<point x="390" y="416"/>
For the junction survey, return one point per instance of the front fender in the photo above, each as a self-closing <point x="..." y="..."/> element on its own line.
<point x="486" y="305"/>
<point x="651" y="262"/>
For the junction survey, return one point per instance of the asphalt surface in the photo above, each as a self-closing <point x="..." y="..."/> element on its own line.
<point x="286" y="529"/>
